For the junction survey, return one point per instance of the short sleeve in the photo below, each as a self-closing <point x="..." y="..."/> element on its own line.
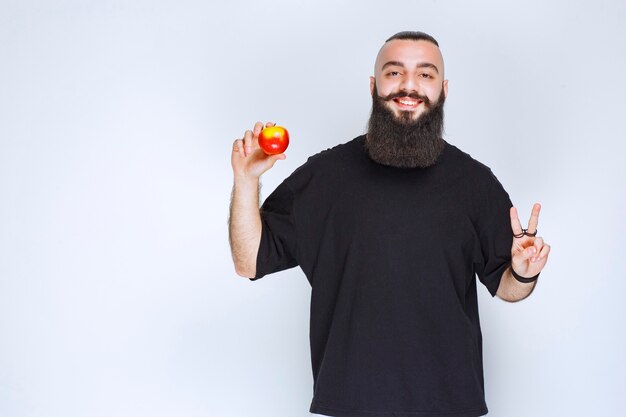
<point x="278" y="234"/>
<point x="495" y="235"/>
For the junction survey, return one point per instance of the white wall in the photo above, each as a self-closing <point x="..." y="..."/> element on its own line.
<point x="117" y="293"/>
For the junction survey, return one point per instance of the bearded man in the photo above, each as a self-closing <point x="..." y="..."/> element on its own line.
<point x="391" y="230"/>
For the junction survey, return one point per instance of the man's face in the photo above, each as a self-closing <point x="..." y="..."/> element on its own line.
<point x="406" y="73"/>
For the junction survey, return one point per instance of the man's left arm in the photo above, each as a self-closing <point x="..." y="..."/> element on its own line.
<point x="529" y="254"/>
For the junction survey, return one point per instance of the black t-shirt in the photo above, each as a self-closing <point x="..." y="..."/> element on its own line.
<point x="391" y="255"/>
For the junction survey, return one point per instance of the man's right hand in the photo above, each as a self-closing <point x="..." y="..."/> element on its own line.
<point x="248" y="159"/>
<point x="249" y="162"/>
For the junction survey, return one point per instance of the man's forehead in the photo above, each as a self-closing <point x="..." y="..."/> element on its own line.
<point x="409" y="51"/>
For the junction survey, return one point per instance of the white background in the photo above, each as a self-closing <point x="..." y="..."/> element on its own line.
<point x="117" y="292"/>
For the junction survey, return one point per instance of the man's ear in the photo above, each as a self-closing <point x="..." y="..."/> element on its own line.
<point x="445" y="88"/>
<point x="372" y="84"/>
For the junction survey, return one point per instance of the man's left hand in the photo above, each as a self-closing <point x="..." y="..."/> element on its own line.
<point x="529" y="254"/>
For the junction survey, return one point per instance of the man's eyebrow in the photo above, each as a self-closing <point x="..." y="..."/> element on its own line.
<point x="428" y="65"/>
<point x="392" y="64"/>
<point x="420" y="65"/>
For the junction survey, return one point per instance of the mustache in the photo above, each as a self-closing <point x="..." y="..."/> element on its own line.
<point x="404" y="93"/>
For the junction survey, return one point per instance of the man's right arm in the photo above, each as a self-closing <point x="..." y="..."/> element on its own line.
<point x="244" y="225"/>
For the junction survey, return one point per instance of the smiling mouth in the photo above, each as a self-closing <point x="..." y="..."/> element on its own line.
<point x="407" y="103"/>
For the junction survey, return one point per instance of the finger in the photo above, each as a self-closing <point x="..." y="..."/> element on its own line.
<point x="544" y="252"/>
<point x="538" y="244"/>
<point x="258" y="126"/>
<point x="515" y="224"/>
<point x="527" y="253"/>
<point x="238" y="147"/>
<point x="247" y="142"/>
<point x="534" y="218"/>
<point x="280" y="156"/>
<point x="271" y="160"/>
<point x="256" y="130"/>
<point x="270" y="124"/>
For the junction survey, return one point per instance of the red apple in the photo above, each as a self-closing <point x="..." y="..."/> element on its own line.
<point x="274" y="140"/>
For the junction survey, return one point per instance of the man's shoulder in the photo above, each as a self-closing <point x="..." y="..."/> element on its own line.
<point x="327" y="163"/>
<point x="342" y="151"/>
<point x="461" y="156"/>
<point x="466" y="162"/>
<point x="331" y="159"/>
<point x="476" y="176"/>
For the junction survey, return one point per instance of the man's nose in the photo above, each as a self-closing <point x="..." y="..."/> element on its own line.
<point x="409" y="84"/>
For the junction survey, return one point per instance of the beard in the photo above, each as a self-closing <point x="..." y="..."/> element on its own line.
<point x="402" y="142"/>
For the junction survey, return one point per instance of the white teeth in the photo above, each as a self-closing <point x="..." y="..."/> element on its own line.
<point x="408" y="102"/>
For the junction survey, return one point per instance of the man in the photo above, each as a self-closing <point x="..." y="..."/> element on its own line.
<point x="391" y="230"/>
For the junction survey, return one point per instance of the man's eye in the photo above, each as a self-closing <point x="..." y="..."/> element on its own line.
<point x="393" y="73"/>
<point x="426" y="76"/>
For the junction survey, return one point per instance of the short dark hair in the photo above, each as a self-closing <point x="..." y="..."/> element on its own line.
<point x="414" y="36"/>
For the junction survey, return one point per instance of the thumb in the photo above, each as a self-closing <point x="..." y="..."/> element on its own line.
<point x="271" y="160"/>
<point x="526" y="253"/>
